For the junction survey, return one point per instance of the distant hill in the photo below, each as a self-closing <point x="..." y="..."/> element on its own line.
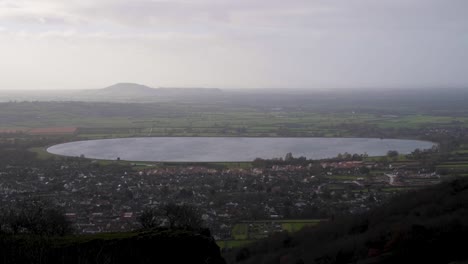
<point x="127" y="90"/>
<point x="425" y="226"/>
<point x="133" y="90"/>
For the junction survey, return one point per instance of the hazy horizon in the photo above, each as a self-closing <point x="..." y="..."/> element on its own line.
<point x="228" y="44"/>
<point x="337" y="90"/>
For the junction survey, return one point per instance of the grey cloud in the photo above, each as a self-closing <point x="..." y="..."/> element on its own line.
<point x="301" y="43"/>
<point x="178" y="15"/>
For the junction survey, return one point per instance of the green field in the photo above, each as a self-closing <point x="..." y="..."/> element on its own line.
<point x="41" y="153"/>
<point x="295" y="226"/>
<point x="460" y="151"/>
<point x="249" y="231"/>
<point x="233" y="243"/>
<point x="240" y="232"/>
<point x="454" y="166"/>
<point x="108" y="120"/>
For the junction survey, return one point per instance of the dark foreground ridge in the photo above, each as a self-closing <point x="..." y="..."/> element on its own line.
<point x="426" y="226"/>
<point x="155" y="246"/>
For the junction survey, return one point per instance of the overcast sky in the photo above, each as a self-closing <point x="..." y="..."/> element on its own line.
<point x="316" y="44"/>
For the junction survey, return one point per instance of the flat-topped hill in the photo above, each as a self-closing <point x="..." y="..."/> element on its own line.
<point x="127" y="89"/>
<point x="138" y="90"/>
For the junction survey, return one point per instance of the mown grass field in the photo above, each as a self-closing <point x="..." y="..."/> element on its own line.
<point x="296" y="225"/>
<point x="41" y="153"/>
<point x="247" y="232"/>
<point x="455" y="168"/>
<point x="233" y="243"/>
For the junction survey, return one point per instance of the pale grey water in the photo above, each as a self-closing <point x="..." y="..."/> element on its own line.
<point x="218" y="149"/>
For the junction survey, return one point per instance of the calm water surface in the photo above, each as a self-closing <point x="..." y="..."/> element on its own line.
<point x="218" y="149"/>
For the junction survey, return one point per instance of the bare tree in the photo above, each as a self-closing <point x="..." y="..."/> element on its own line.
<point x="182" y="216"/>
<point x="150" y="218"/>
<point x="34" y="217"/>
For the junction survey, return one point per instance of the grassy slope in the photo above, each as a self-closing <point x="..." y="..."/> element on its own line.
<point x="426" y="226"/>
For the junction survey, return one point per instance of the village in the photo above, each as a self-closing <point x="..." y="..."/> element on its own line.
<point x="109" y="198"/>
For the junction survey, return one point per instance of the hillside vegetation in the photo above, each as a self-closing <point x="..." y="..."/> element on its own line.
<point x="156" y="246"/>
<point x="426" y="226"/>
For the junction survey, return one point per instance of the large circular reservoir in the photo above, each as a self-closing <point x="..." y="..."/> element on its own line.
<point x="230" y="149"/>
